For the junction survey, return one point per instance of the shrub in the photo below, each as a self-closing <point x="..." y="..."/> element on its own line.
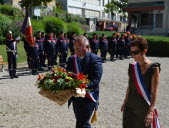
<point x="2" y="39"/>
<point x="15" y="27"/>
<point x="55" y="25"/>
<point x="37" y="26"/>
<point x="75" y="27"/>
<point x="4" y="22"/>
<point x="158" y="45"/>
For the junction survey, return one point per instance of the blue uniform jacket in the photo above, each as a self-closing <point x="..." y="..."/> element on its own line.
<point x="112" y="45"/>
<point x="71" y="44"/>
<point x="94" y="44"/>
<point x="92" y="66"/>
<point x="35" y="50"/>
<point x="103" y="44"/>
<point x="49" y="45"/>
<point x="11" y="45"/>
<point x="127" y="41"/>
<point x="121" y="43"/>
<point x="62" y="45"/>
<point x="40" y="44"/>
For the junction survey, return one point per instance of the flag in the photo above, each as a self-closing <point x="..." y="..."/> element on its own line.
<point x="27" y="30"/>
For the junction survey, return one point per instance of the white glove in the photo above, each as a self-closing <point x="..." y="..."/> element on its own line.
<point x="17" y="38"/>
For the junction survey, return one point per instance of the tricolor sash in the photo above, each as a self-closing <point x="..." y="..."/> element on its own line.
<point x="143" y="91"/>
<point x="77" y="69"/>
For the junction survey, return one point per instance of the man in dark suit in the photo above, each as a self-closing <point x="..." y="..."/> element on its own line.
<point x="91" y="65"/>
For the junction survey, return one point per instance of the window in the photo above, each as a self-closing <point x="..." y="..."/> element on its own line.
<point x="147" y="18"/>
<point x="75" y="10"/>
<point x="158" y="20"/>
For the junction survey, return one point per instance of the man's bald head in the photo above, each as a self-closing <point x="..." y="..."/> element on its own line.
<point x="81" y="39"/>
<point x="81" y="45"/>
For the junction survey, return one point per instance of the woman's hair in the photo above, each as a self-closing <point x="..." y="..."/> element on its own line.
<point x="141" y="43"/>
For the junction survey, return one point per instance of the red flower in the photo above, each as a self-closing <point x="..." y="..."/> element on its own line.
<point x="58" y="76"/>
<point x="80" y="76"/>
<point x="52" y="77"/>
<point x="67" y="80"/>
<point x="55" y="81"/>
<point x="83" y="85"/>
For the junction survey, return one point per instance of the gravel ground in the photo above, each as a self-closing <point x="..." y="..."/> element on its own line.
<point x="22" y="107"/>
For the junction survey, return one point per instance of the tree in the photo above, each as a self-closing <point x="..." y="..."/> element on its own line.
<point x="29" y="4"/>
<point x="1" y="2"/>
<point x="116" y="6"/>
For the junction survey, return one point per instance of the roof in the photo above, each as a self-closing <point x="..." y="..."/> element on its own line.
<point x="158" y="5"/>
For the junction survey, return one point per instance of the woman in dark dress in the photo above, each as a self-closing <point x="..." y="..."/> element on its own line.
<point x="136" y="111"/>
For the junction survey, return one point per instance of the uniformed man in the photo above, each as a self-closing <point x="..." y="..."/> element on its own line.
<point x="63" y="46"/>
<point x="34" y="57"/>
<point x="112" y="46"/>
<point x="50" y="49"/>
<point x="127" y="44"/>
<point x="56" y="53"/>
<point x="11" y="48"/>
<point x="86" y="35"/>
<point x="94" y="44"/>
<point x="121" y="45"/>
<point x="117" y="49"/>
<point x="103" y="47"/>
<point x="27" y="48"/>
<point x="44" y="56"/>
<point x="39" y="41"/>
<point x="67" y="40"/>
<point x="71" y="43"/>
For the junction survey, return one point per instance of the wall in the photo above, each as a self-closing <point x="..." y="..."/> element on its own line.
<point x="138" y="1"/>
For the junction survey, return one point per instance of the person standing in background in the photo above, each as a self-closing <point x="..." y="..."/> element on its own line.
<point x="11" y="47"/>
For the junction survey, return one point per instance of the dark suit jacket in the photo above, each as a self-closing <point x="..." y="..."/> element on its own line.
<point x="92" y="66"/>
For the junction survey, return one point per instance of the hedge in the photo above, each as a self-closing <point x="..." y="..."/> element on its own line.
<point x="55" y="25"/>
<point x="158" y="45"/>
<point x="38" y="26"/>
<point x="4" y="23"/>
<point x="74" y="27"/>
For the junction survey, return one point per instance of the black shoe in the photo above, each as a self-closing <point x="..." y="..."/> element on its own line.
<point x="49" y="68"/>
<point x="36" y="73"/>
<point x="33" y="73"/>
<point x="44" y="65"/>
<point x="40" y="69"/>
<point x="11" y="77"/>
<point x="15" y="76"/>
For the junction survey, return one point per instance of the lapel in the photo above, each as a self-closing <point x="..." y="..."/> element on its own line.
<point x="85" y="62"/>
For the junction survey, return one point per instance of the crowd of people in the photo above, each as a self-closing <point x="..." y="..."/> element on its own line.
<point x="48" y="46"/>
<point x="51" y="48"/>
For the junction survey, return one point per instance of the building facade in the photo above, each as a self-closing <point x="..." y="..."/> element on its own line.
<point x="93" y="9"/>
<point x="16" y="3"/>
<point x="148" y="17"/>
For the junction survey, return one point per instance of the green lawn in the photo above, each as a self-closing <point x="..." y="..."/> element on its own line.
<point x="21" y="53"/>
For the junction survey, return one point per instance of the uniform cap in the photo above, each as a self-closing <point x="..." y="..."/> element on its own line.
<point x="124" y="35"/>
<point x="117" y="34"/>
<point x="127" y="32"/>
<point x="133" y="35"/>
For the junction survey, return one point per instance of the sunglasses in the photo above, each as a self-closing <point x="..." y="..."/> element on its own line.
<point x="134" y="52"/>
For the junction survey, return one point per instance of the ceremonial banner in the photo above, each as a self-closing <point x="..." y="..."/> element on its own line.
<point x="142" y="90"/>
<point x="27" y="31"/>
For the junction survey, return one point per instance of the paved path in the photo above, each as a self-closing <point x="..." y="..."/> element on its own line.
<point x="22" y="107"/>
